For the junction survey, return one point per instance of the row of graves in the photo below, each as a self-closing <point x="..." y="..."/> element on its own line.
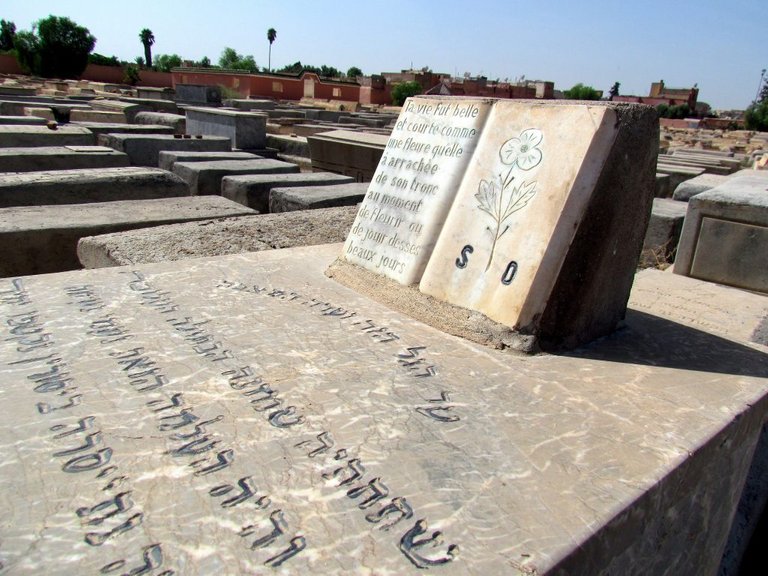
<point x="471" y="378"/>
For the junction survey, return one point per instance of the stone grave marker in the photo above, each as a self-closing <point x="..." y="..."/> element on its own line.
<point x="247" y="414"/>
<point x="497" y="206"/>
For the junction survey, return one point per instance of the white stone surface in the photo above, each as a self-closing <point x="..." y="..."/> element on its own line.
<point x="518" y="208"/>
<point x="626" y="457"/>
<point x="414" y="186"/>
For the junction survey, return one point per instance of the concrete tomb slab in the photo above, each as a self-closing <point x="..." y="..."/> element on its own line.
<point x="127" y="109"/>
<point x="97" y="116"/>
<point x="496" y="207"/>
<point x="217" y="238"/>
<point x="175" y="121"/>
<point x="28" y="136"/>
<point x="253" y="190"/>
<point x="59" y="158"/>
<point x="247" y="130"/>
<point x="144" y="149"/>
<point x="168" y="158"/>
<point x="245" y="413"/>
<point x="249" y="104"/>
<point x="99" y="128"/>
<point x="663" y="233"/>
<point x="355" y="154"/>
<point x="24" y="120"/>
<point x="85" y="185"/>
<point x="686" y="190"/>
<point x="43" y="239"/>
<point x="725" y="234"/>
<point x="205" y="177"/>
<point x="314" y="197"/>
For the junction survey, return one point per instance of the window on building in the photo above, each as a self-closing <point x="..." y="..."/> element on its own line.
<point x="277" y="86"/>
<point x="236" y="83"/>
<point x="337" y="92"/>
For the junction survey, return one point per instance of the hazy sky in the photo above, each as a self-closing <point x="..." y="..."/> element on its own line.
<point x="719" y="45"/>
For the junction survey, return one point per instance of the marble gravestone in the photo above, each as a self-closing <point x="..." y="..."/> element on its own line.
<point x="513" y="209"/>
<point x="246" y="414"/>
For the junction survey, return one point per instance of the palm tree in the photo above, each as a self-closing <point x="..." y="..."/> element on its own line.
<point x="271" y="35"/>
<point x="147" y="38"/>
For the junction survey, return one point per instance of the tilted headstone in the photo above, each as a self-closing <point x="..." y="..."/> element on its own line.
<point x="530" y="213"/>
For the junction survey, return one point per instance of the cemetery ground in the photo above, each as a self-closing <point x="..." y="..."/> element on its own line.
<point x="223" y="358"/>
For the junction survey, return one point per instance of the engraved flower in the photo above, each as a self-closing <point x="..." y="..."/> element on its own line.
<point x="487" y="196"/>
<point x="524" y="150"/>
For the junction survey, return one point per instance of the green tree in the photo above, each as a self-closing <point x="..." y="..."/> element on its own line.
<point x="140" y="61"/>
<point x="231" y="60"/>
<point x="329" y="72"/>
<point x="164" y="62"/>
<point x="131" y="75"/>
<point x="147" y="39"/>
<point x="756" y="114"/>
<point x="271" y="36"/>
<point x="7" y="33"/>
<point x="354" y="72"/>
<point x="582" y="92"/>
<point x="205" y="62"/>
<point x="404" y="90"/>
<point x="100" y="59"/>
<point x="55" y="48"/>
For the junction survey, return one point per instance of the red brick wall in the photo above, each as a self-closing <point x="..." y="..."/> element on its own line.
<point x="8" y="65"/>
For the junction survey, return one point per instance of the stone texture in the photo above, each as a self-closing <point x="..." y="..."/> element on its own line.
<point x="144" y="149"/>
<point x="217" y="238"/>
<point x="345" y="152"/>
<point x="314" y="197"/>
<point x="169" y="157"/>
<point x="127" y="109"/>
<point x="43" y="239"/>
<point x="97" y="116"/>
<point x="99" y="128"/>
<point x="59" y="158"/>
<point x="249" y="104"/>
<point x="725" y="234"/>
<point x="686" y="190"/>
<point x="27" y="136"/>
<point x="253" y="190"/>
<point x="24" y="120"/>
<point x="626" y="457"/>
<point x="176" y="122"/>
<point x="246" y="130"/>
<point x="662" y="186"/>
<point x="678" y="174"/>
<point x="81" y="186"/>
<point x="663" y="234"/>
<point x="205" y="177"/>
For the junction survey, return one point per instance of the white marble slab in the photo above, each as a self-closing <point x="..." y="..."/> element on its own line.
<point x="518" y="208"/>
<point x="414" y="186"/>
<point x="246" y="414"/>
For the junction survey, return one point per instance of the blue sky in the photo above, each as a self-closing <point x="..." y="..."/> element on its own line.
<point x="721" y="46"/>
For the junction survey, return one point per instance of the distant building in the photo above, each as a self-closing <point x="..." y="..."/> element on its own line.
<point x="660" y="94"/>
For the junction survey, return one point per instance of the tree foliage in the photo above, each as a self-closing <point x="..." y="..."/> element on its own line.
<point x="102" y="60"/>
<point x="271" y="36"/>
<point x="404" y="90"/>
<point x="354" y="72"/>
<point x="231" y="60"/>
<point x="164" y="62"/>
<point x="147" y="39"/>
<point x="7" y="33"/>
<point x="678" y="112"/>
<point x="582" y="92"/>
<point x="756" y="114"/>
<point x="55" y="48"/>
<point x="323" y="71"/>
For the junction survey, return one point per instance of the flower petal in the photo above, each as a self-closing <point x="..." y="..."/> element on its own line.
<point x="532" y="137"/>
<point x="509" y="150"/>
<point x="530" y="159"/>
